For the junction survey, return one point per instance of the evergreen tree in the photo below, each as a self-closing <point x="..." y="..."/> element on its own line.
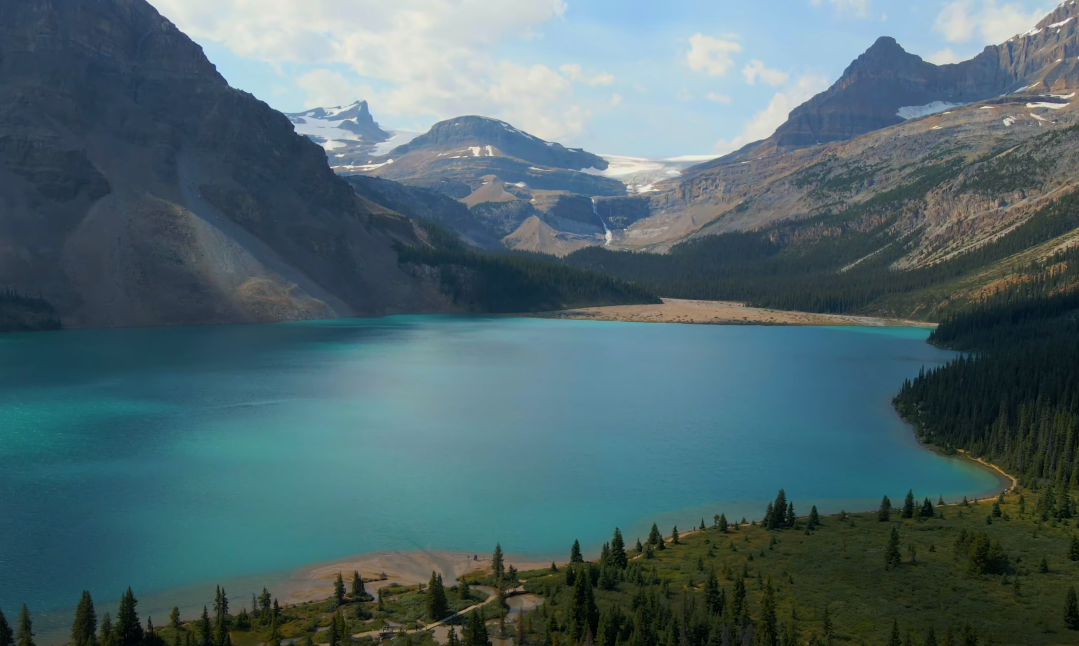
<point x="884" y="514"/>
<point x="105" y="632"/>
<point x="7" y="636"/>
<point x="498" y="565"/>
<point x="451" y="638"/>
<point x="174" y="619"/>
<point x="205" y="635"/>
<point x="1073" y="548"/>
<point x="128" y="630"/>
<point x="814" y="518"/>
<point x="723" y="525"/>
<point x="333" y="635"/>
<point x="575" y="553"/>
<point x="618" y="550"/>
<point x="892" y="557"/>
<point x="1071" y="610"/>
<point x="520" y="630"/>
<point x="655" y="539"/>
<point x="436" y="605"/>
<point x="339" y="590"/>
<point x="359" y="593"/>
<point x="908" y="505"/>
<point x="894" y="639"/>
<point x="84" y="629"/>
<point x="769" y="627"/>
<point x="674" y="536"/>
<point x="775" y="516"/>
<point x="791" y="518"/>
<point x="475" y="633"/>
<point x="25" y="634"/>
<point x="463" y="591"/>
<point x="584" y="616"/>
<point x="927" y="510"/>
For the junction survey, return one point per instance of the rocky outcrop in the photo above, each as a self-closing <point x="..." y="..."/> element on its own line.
<point x="140" y="189"/>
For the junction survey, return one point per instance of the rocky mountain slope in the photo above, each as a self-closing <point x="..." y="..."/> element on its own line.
<point x="140" y="189"/>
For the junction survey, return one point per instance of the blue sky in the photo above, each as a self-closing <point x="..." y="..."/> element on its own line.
<point x="629" y="77"/>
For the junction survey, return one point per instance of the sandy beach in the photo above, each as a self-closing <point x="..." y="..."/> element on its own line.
<point x="315" y="582"/>
<point x="719" y="313"/>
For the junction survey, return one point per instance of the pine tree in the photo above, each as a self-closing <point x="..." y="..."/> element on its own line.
<point x="332" y="634"/>
<point x="892" y="557"/>
<point x="894" y="639"/>
<point x="575" y="553"/>
<point x="205" y="638"/>
<point x="769" y="627"/>
<point x="25" y="634"/>
<point x="498" y="565"/>
<point x="105" y="632"/>
<point x="618" y="550"/>
<point x="7" y="637"/>
<point x="339" y="590"/>
<point x="1071" y="610"/>
<point x="127" y="631"/>
<point x="359" y="593"/>
<point x="475" y="633"/>
<point x="84" y="630"/>
<point x="791" y="519"/>
<point x="723" y="525"/>
<point x="927" y="510"/>
<point x="655" y="539"/>
<point x="174" y="618"/>
<point x="908" y="505"/>
<point x="814" y="518"/>
<point x="436" y="605"/>
<point x="674" y="536"/>
<point x="1073" y="548"/>
<point x="884" y="514"/>
<point x="463" y="591"/>
<point x="451" y="638"/>
<point x="584" y="615"/>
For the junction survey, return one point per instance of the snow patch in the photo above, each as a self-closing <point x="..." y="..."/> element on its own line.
<point x="1039" y="118"/>
<point x="1009" y="122"/>
<point x="1055" y="25"/>
<point x="915" y="111"/>
<point x="987" y="107"/>
<point x="397" y="138"/>
<point x="1051" y="106"/>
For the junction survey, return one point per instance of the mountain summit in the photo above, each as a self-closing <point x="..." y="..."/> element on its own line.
<point x="886" y="85"/>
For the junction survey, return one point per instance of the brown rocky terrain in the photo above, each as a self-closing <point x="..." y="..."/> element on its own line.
<point x="140" y="189"/>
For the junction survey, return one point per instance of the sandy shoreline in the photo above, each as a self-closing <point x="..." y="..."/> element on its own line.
<point x="674" y="310"/>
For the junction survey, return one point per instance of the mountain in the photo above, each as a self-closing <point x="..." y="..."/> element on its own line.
<point x="887" y="85"/>
<point x="348" y="133"/>
<point x="140" y="189"/>
<point x="467" y="149"/>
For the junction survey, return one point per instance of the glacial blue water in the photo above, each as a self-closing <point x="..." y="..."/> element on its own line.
<point x="162" y="458"/>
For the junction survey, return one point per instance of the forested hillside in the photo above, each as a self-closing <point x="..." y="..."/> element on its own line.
<point x="503" y="283"/>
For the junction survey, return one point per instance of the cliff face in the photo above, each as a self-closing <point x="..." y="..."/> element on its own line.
<point x="142" y="190"/>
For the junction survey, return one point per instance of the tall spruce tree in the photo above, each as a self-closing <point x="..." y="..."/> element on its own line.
<point x="892" y="557"/>
<point x="7" y="636"/>
<point x="127" y="630"/>
<point x="84" y="629"/>
<point x="1071" y="610"/>
<point x="724" y="527"/>
<point x="339" y="590"/>
<point x="908" y="505"/>
<point x="498" y="564"/>
<point x="884" y="514"/>
<point x="655" y="539"/>
<point x="584" y="615"/>
<point x="24" y="636"/>
<point x="675" y="539"/>
<point x="769" y="626"/>
<point x="359" y="593"/>
<point x="105" y="631"/>
<point x="618" y="550"/>
<point x="205" y="628"/>
<point x="814" y="518"/>
<point x="790" y="520"/>
<point x="435" y="603"/>
<point x="475" y="632"/>
<point x="927" y="510"/>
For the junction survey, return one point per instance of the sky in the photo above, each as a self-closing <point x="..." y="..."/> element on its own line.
<point x="624" y="77"/>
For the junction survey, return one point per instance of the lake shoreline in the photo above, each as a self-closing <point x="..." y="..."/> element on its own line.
<point x="695" y="312"/>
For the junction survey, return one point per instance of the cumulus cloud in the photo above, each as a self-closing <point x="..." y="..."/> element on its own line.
<point x="720" y="98"/>
<point x="855" y="8"/>
<point x="765" y="122"/>
<point x="575" y="73"/>
<point x="757" y="69"/>
<point x="985" y="20"/>
<point x="435" y="58"/>
<point x="944" y="57"/>
<point x="712" y="56"/>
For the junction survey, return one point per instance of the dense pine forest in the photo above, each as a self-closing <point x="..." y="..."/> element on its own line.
<point x="833" y="263"/>
<point x="502" y="283"/>
<point x="1015" y="399"/>
<point x="19" y="313"/>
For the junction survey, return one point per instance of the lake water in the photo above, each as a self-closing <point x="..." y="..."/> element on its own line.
<point x="161" y="458"/>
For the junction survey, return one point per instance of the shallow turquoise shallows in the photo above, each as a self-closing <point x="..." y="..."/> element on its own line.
<point x="162" y="458"/>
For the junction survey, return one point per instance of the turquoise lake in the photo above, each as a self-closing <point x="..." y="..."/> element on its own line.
<point x="163" y="458"/>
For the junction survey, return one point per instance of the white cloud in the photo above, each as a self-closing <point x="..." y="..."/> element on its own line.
<point x="575" y="73"/>
<point x="757" y="69"/>
<point x="992" y="23"/>
<point x="765" y="122"/>
<point x="712" y="56"/>
<point x="855" y="8"/>
<point x="430" y="58"/>
<point x="616" y="100"/>
<point x="720" y="98"/>
<point x="944" y="57"/>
